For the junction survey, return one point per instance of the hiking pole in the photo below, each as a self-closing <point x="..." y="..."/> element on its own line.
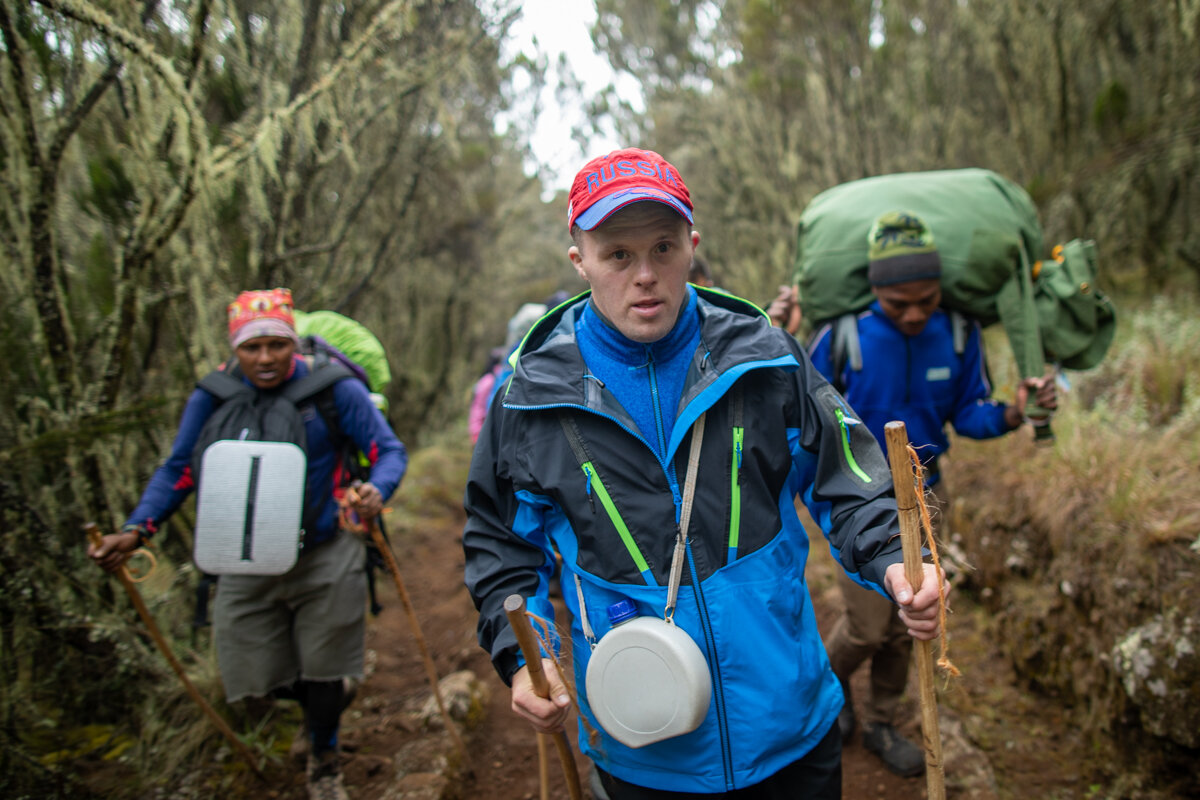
<point x="514" y="607"/>
<point x="910" y="538"/>
<point x="93" y="534"/>
<point x="430" y="670"/>
<point x="543" y="768"/>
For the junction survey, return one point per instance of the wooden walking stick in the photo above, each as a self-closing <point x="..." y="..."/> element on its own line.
<point x="543" y="767"/>
<point x="93" y="534"/>
<point x="430" y="670"/>
<point x="514" y="607"/>
<point x="910" y="538"/>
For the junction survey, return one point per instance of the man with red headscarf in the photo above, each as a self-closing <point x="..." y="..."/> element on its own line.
<point x="296" y="635"/>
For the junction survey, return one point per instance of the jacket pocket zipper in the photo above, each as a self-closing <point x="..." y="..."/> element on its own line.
<point x="845" y="428"/>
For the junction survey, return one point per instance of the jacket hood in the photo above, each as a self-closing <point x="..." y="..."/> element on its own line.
<point x="549" y="370"/>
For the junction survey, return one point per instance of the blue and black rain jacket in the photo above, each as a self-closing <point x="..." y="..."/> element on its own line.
<point x="775" y="430"/>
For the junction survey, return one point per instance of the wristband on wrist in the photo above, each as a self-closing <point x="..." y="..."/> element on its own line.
<point x="142" y="534"/>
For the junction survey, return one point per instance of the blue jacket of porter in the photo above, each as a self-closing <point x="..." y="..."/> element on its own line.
<point x="920" y="380"/>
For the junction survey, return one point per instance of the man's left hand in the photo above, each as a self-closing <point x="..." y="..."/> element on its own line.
<point x="919" y="611"/>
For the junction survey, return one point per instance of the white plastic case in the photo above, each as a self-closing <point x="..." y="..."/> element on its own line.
<point x="648" y="681"/>
<point x="249" y="507"/>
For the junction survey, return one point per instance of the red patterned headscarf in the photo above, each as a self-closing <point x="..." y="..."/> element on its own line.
<point x="261" y="312"/>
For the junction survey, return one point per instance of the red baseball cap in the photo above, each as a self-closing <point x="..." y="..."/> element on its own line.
<point x="607" y="184"/>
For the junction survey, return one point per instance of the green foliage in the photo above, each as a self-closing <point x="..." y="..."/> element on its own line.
<point x="110" y="194"/>
<point x="99" y="270"/>
<point x="154" y="165"/>
<point x="1094" y="106"/>
<point x="1112" y="106"/>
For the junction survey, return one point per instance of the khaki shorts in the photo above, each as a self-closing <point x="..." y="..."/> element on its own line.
<point x="305" y="624"/>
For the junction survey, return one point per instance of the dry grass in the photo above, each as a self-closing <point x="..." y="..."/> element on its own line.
<point x="1076" y="544"/>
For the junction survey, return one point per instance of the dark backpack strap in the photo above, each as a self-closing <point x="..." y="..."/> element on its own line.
<point x="844" y="348"/>
<point x="222" y="385"/>
<point x="330" y="372"/>
<point x="314" y="382"/>
<point x="375" y="561"/>
<point x="960" y="329"/>
<point x="315" y="388"/>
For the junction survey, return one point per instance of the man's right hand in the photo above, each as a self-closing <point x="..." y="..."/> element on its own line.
<point x="114" y="549"/>
<point x="546" y="715"/>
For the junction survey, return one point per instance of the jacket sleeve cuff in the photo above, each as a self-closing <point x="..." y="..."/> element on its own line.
<point x="507" y="662"/>
<point x="876" y="568"/>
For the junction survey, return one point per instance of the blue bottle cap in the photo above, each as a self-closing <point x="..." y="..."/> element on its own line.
<point x="621" y="611"/>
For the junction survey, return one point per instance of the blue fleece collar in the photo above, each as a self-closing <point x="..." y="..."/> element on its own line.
<point x="615" y="346"/>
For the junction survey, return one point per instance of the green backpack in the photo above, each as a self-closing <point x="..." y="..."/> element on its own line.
<point x="351" y="338"/>
<point x="990" y="243"/>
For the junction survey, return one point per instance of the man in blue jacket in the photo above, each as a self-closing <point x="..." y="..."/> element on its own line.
<point x="298" y="635"/>
<point x="911" y="372"/>
<point x="587" y="454"/>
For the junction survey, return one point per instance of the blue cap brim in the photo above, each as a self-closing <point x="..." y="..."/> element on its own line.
<point x="605" y="207"/>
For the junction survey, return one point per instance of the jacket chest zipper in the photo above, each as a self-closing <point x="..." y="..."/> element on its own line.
<point x="735" y="492"/>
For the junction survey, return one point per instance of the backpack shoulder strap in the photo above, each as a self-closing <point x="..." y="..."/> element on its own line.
<point x="844" y="348"/>
<point x="221" y="385"/>
<point x="960" y="327"/>
<point x="316" y="388"/>
<point x="315" y="382"/>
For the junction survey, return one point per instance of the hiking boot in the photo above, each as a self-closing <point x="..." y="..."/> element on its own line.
<point x="845" y="718"/>
<point x="897" y="753"/>
<point x="325" y="777"/>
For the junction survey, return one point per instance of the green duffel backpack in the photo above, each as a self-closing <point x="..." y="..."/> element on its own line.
<point x="990" y="242"/>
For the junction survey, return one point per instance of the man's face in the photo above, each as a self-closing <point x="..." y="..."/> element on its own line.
<point x="910" y="305"/>
<point x="637" y="263"/>
<point x="266" y="360"/>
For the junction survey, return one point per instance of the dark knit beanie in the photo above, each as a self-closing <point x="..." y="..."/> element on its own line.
<point x="900" y="249"/>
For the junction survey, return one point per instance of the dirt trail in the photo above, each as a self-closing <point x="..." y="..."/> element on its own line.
<point x="384" y="738"/>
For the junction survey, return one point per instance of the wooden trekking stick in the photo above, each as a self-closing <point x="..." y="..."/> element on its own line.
<point x="93" y="534"/>
<point x="543" y="767"/>
<point x="514" y="607"/>
<point x="430" y="670"/>
<point x="910" y="538"/>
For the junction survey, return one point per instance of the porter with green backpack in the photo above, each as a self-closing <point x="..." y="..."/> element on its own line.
<point x="993" y="270"/>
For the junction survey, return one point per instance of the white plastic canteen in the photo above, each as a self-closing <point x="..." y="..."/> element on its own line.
<point x="647" y="680"/>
